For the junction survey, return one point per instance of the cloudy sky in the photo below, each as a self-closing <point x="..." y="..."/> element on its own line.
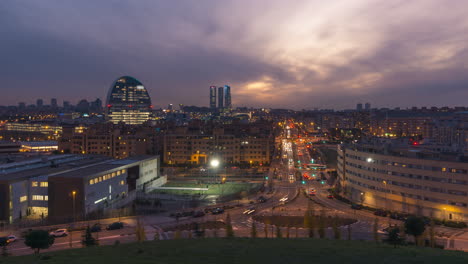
<point x="292" y="54"/>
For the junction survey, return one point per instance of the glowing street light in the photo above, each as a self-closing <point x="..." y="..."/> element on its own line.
<point x="214" y="163"/>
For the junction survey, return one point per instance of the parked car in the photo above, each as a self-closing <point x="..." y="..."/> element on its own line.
<point x="217" y="211"/>
<point x="381" y="213"/>
<point x="198" y="214"/>
<point x="330" y="196"/>
<point x="356" y="206"/>
<point x="114" y="226"/>
<point x="95" y="228"/>
<point x="262" y="199"/>
<point x="59" y="233"/>
<point x="399" y="216"/>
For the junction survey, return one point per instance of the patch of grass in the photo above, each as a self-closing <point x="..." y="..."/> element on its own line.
<point x="204" y="225"/>
<point x="227" y="188"/>
<point x="246" y="251"/>
<point x="298" y="221"/>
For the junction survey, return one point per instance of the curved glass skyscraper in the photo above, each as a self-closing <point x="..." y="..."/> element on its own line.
<point x="128" y="101"/>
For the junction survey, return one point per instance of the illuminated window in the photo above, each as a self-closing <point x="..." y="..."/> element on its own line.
<point x="46" y="197"/>
<point x="444" y="169"/>
<point x="23" y="198"/>
<point x="113" y="174"/>
<point x="34" y="184"/>
<point x="118" y="173"/>
<point x="38" y="197"/>
<point x="44" y="184"/>
<point x="123" y="171"/>
<point x="122" y="182"/>
<point x="91" y="182"/>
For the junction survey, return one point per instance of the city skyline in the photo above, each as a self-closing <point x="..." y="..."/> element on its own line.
<point x="307" y="55"/>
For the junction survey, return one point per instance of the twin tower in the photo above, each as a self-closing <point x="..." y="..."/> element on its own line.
<point x="220" y="98"/>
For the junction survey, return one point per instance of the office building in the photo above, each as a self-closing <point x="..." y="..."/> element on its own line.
<point x="220" y="98"/>
<point x="128" y="101"/>
<point x="47" y="185"/>
<point x="53" y="103"/>
<point x="39" y="103"/>
<point x="359" y="107"/>
<point x="367" y="106"/>
<point x="212" y="97"/>
<point x="227" y="98"/>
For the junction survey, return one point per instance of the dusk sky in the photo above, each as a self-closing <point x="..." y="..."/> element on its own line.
<point x="283" y="54"/>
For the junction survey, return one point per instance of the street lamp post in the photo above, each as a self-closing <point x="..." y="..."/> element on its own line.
<point x="74" y="197"/>
<point x="214" y="164"/>
<point x="385" y="194"/>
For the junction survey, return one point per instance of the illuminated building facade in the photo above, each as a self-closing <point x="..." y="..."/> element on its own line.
<point x="128" y="101"/>
<point x="404" y="177"/>
<point x="212" y="97"/>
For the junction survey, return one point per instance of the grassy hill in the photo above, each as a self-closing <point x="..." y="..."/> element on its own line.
<point x="245" y="251"/>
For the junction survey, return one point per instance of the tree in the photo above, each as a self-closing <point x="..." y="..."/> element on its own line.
<point x="38" y="239"/>
<point x="4" y="244"/>
<point x="431" y="234"/>
<point x="265" y="227"/>
<point x="88" y="239"/>
<point x="253" y="231"/>
<point x="335" y="227"/>
<point x="278" y="232"/>
<point x="177" y="234"/>
<point x="376" y="230"/>
<point x="287" y="231"/>
<point x="198" y="233"/>
<point x="415" y="226"/>
<point x="309" y="220"/>
<point x="394" y="237"/>
<point x="229" y="230"/>
<point x="349" y="232"/>
<point x="321" y="226"/>
<point x="140" y="231"/>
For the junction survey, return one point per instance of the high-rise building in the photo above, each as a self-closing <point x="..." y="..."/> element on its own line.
<point x="128" y="101"/>
<point x="66" y="104"/>
<point x="220" y="98"/>
<point x="21" y="106"/>
<point x="170" y="107"/>
<point x="96" y="106"/>
<point x="212" y="97"/>
<point x="359" y="107"/>
<point x="39" y="103"/>
<point x="227" y="97"/>
<point x="53" y="102"/>
<point x="367" y="107"/>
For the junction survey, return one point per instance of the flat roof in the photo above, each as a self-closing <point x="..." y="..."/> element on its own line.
<point x="102" y="167"/>
<point x="27" y="171"/>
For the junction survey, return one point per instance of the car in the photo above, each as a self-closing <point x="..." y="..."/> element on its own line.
<point x="217" y="211"/>
<point x="95" y="228"/>
<point x="356" y="206"/>
<point x="115" y="225"/>
<point x="11" y="238"/>
<point x="59" y="233"/>
<point x="262" y="199"/>
<point x="249" y="211"/>
<point x="382" y="213"/>
<point x="4" y="241"/>
<point x="330" y="196"/>
<point x="198" y="214"/>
